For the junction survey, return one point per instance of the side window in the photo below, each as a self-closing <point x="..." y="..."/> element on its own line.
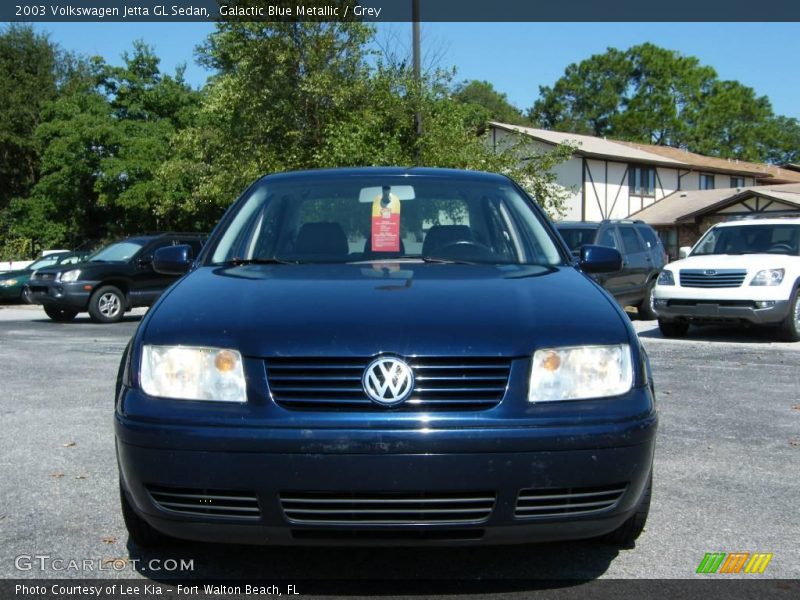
<point x="608" y="238"/>
<point x="630" y="240"/>
<point x="648" y="235"/>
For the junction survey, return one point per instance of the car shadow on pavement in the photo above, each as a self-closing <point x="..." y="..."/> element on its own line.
<point x="723" y="334"/>
<point x="86" y="320"/>
<point x="359" y="570"/>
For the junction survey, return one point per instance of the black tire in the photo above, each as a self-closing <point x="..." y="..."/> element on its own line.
<point x="673" y="329"/>
<point x="107" y="305"/>
<point x="61" y="315"/>
<point x="626" y="534"/>
<point x="790" y="327"/>
<point x="645" y="308"/>
<point x="140" y="531"/>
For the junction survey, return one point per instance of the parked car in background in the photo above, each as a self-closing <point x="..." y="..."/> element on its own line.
<point x="110" y="282"/>
<point x="744" y="272"/>
<point x="385" y="356"/>
<point x="643" y="257"/>
<point x="12" y="283"/>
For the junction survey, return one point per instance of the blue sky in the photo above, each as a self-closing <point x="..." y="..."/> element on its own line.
<point x="516" y="57"/>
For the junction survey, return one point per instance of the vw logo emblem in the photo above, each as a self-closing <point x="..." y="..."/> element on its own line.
<point x="388" y="381"/>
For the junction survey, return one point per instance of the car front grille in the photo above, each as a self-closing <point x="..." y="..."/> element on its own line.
<point x="712" y="278"/>
<point x="559" y="502"/>
<point x="37" y="276"/>
<point x="387" y="508"/>
<point x="440" y="383"/>
<point x="213" y="503"/>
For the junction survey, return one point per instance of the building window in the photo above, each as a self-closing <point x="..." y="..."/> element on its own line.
<point x="737" y="182"/>
<point x="642" y="181"/>
<point x="706" y="181"/>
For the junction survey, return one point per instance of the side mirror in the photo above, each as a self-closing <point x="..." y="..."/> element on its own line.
<point x="684" y="251"/>
<point x="599" y="259"/>
<point x="173" y="260"/>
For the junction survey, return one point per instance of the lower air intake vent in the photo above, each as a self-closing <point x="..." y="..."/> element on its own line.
<point x="214" y="503"/>
<point x="388" y="535"/>
<point x="389" y="508"/>
<point x="557" y="502"/>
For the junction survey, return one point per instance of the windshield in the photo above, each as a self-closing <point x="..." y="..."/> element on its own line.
<point x="575" y="237"/>
<point x="371" y="218"/>
<point x="118" y="252"/>
<point x="750" y="239"/>
<point x="47" y="261"/>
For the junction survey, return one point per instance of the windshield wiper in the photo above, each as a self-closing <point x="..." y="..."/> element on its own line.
<point x="237" y="262"/>
<point x="447" y="261"/>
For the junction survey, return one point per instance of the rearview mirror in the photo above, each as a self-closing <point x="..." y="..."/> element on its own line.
<point x="173" y="260"/>
<point x="684" y="251"/>
<point x="599" y="259"/>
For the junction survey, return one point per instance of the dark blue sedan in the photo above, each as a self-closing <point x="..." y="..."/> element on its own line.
<point x="372" y="356"/>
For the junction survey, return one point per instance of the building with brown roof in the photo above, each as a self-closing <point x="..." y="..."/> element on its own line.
<point x="677" y="191"/>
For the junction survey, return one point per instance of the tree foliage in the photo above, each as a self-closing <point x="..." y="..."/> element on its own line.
<point x="28" y="81"/>
<point x="657" y="96"/>
<point x="90" y="150"/>
<point x="312" y="95"/>
<point x="488" y="103"/>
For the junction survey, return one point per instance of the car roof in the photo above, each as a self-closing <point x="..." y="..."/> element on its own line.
<point x="579" y="224"/>
<point x="345" y="173"/>
<point x="149" y="237"/>
<point x="594" y="224"/>
<point x="789" y="221"/>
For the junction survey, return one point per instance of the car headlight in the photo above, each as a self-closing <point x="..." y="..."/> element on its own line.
<point x="580" y="372"/>
<point x="768" y="277"/>
<point x="70" y="276"/>
<point x="193" y="373"/>
<point x="8" y="282"/>
<point x="666" y="278"/>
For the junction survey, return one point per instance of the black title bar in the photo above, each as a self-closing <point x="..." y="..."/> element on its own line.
<point x="400" y="10"/>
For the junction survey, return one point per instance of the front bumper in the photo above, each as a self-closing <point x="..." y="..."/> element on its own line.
<point x="74" y="295"/>
<point x="722" y="310"/>
<point x="266" y="465"/>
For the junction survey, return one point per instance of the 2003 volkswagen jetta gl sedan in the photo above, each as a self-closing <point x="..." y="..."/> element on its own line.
<point x="385" y="355"/>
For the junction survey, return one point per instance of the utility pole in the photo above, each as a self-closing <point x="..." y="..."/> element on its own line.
<point x="417" y="65"/>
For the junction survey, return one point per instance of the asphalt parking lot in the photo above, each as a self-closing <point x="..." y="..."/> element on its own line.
<point x="726" y="469"/>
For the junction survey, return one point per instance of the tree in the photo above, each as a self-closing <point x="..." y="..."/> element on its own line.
<point x="103" y="142"/>
<point x="652" y="95"/>
<point x="148" y="108"/>
<point x="28" y="82"/>
<point x="277" y="90"/>
<point x="77" y="134"/>
<point x="587" y="98"/>
<point x="291" y="96"/>
<point x="488" y="103"/>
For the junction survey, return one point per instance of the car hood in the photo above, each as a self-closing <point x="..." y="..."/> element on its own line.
<point x="733" y="261"/>
<point x="15" y="274"/>
<point x="367" y="309"/>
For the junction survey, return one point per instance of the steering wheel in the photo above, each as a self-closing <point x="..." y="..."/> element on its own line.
<point x="780" y="248"/>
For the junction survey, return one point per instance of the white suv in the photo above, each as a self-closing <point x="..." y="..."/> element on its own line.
<point x="745" y="271"/>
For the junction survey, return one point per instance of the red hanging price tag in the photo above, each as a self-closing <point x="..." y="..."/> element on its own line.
<point x="386" y="222"/>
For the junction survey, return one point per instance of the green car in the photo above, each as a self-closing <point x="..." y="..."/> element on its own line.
<point x="13" y="282"/>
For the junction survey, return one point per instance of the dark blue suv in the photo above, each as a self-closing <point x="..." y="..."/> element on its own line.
<point x="387" y="355"/>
